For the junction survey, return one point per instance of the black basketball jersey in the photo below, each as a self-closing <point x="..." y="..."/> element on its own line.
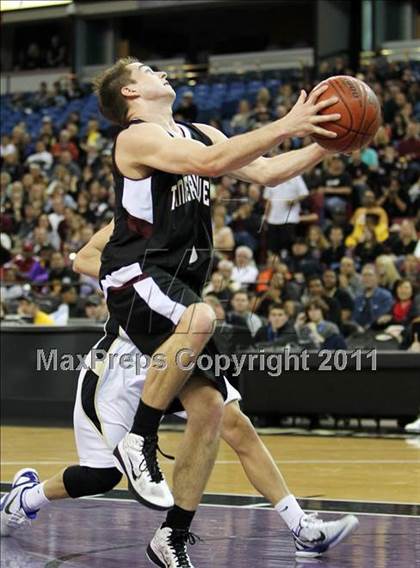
<point x="163" y="220"/>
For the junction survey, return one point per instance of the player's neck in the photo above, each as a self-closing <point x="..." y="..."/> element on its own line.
<point x="157" y="113"/>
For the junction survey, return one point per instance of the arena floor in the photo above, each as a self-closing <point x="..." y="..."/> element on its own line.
<point x="377" y="479"/>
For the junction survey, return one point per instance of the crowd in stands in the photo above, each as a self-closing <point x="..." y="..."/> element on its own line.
<point x="317" y="261"/>
<point x="33" y="55"/>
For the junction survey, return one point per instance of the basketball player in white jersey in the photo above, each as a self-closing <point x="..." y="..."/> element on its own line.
<point x="97" y="432"/>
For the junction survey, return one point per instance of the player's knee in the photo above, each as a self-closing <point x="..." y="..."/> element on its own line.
<point x="237" y="429"/>
<point x="207" y="413"/>
<point x="81" y="481"/>
<point x="200" y="320"/>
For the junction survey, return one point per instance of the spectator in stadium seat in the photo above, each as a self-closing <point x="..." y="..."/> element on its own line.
<point x="282" y="212"/>
<point x="374" y="302"/>
<point x="12" y="165"/>
<point x="409" y="146"/>
<point x="223" y="239"/>
<point x="29" y="308"/>
<point x="332" y="290"/>
<point x="95" y="308"/>
<point x="406" y="241"/>
<point x="394" y="200"/>
<point x="29" y="221"/>
<point x="217" y="306"/>
<point x="279" y="327"/>
<point x="56" y="55"/>
<point x="70" y="298"/>
<point x="278" y="291"/>
<point x="65" y="144"/>
<point x="370" y="214"/>
<point x="241" y="314"/>
<point x="33" y="55"/>
<point x="368" y="249"/>
<point x="410" y="269"/>
<point x="219" y="287"/>
<point x="387" y="272"/>
<point x="246" y="224"/>
<point x="271" y="267"/>
<point x="313" y="328"/>
<point x="6" y="146"/>
<point x="187" y="109"/>
<point x="405" y="308"/>
<point x="244" y="271"/>
<point x="301" y="260"/>
<point x="28" y="265"/>
<point x="315" y="291"/>
<point x="58" y="269"/>
<point x="40" y="239"/>
<point x="225" y="267"/>
<point x="240" y="121"/>
<point x="332" y="255"/>
<point x="41" y="156"/>
<point x="316" y="240"/>
<point x="336" y="185"/>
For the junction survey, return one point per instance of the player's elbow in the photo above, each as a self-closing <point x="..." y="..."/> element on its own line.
<point x="208" y="168"/>
<point x="210" y="162"/>
<point x="78" y="263"/>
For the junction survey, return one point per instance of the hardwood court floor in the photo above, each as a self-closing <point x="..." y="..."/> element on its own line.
<point x="362" y="469"/>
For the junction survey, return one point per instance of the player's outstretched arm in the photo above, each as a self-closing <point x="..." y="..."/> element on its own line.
<point x="88" y="259"/>
<point x="272" y="171"/>
<point x="149" y="145"/>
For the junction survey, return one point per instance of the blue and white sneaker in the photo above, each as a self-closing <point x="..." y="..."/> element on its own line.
<point x="314" y="536"/>
<point x="13" y="515"/>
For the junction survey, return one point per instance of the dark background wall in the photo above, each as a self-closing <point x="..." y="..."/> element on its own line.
<point x="30" y="395"/>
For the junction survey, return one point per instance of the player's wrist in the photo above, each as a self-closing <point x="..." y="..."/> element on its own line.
<point x="286" y="128"/>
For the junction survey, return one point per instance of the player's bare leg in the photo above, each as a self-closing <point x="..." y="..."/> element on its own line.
<point x="194" y="330"/>
<point x="312" y="536"/>
<point x="194" y="463"/>
<point x="258" y="464"/>
<point x="136" y="453"/>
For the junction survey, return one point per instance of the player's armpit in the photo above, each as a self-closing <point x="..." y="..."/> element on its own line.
<point x="149" y="145"/>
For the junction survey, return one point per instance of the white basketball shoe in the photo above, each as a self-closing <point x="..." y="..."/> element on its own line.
<point x="168" y="548"/>
<point x="315" y="536"/>
<point x="13" y="515"/>
<point x="413" y="427"/>
<point x="136" y="458"/>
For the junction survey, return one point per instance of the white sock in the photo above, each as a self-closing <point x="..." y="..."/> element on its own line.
<point x="34" y="498"/>
<point x="289" y="510"/>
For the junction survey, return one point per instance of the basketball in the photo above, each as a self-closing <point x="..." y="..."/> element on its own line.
<point x="360" y="114"/>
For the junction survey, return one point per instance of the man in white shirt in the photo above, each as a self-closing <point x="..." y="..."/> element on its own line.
<point x="283" y="212"/>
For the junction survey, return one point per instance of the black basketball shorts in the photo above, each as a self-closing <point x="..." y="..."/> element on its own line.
<point x="148" y="306"/>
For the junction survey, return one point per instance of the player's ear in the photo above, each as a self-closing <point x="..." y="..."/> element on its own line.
<point x="130" y="91"/>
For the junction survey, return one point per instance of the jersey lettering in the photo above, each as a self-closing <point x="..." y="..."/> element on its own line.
<point x="190" y="187"/>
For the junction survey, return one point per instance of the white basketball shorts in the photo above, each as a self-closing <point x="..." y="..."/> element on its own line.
<point x="107" y="398"/>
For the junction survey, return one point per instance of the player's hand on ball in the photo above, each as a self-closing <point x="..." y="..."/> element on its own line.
<point x="304" y="120"/>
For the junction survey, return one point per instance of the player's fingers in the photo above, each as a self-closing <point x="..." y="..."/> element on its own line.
<point x="302" y="97"/>
<point x="315" y="93"/>
<point x="323" y="132"/>
<point x="326" y="103"/>
<point x="325" y="118"/>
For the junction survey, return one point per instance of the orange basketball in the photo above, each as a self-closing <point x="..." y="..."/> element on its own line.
<point x="360" y="114"/>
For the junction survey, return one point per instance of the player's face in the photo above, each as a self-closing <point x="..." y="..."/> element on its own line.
<point x="148" y="84"/>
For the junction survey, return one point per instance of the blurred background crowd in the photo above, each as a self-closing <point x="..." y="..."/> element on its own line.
<point x="327" y="260"/>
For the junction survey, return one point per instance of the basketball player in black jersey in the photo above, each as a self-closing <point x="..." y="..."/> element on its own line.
<point x="158" y="259"/>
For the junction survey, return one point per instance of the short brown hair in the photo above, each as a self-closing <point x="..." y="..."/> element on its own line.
<point x="107" y="85"/>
